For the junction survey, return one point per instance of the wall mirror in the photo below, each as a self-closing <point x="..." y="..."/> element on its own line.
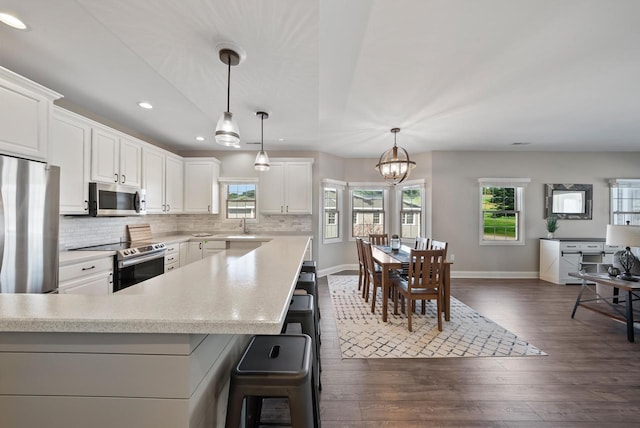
<point x="568" y="201"/>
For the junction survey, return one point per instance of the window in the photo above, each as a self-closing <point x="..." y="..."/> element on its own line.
<point x="625" y="201"/>
<point x="502" y="211"/>
<point x="241" y="200"/>
<point x="411" y="209"/>
<point x="332" y="191"/>
<point x="331" y="230"/>
<point x="367" y="212"/>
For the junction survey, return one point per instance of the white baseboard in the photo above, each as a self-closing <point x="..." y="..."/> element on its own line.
<point x="454" y="274"/>
<point x="494" y="274"/>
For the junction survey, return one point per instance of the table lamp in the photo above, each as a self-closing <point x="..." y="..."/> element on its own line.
<point x="626" y="236"/>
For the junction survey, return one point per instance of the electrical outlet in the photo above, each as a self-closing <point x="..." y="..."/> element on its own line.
<point x="452" y="257"/>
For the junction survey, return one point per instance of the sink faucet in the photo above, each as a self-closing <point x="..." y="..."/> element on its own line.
<point x="243" y="223"/>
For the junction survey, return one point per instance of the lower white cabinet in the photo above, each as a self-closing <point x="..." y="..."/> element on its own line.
<point x="87" y="277"/>
<point x="197" y="250"/>
<point x="559" y="257"/>
<point x="172" y="257"/>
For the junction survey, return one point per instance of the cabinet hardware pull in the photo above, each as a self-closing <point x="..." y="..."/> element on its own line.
<point x="164" y="208"/>
<point x="168" y="207"/>
<point x="200" y="245"/>
<point x="89" y="268"/>
<point x="117" y="178"/>
<point x="86" y="208"/>
<point x="124" y="178"/>
<point x="287" y="208"/>
<point x="208" y="208"/>
<point x="110" y="277"/>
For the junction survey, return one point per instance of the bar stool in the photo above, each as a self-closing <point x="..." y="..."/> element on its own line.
<point x="274" y="366"/>
<point x="307" y="282"/>
<point x="308" y="266"/>
<point x="301" y="311"/>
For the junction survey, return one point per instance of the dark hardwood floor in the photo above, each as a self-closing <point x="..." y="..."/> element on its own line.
<point x="591" y="377"/>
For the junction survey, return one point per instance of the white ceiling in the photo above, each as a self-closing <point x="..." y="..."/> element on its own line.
<point x="336" y="75"/>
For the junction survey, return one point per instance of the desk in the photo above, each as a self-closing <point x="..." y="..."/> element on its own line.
<point x="389" y="260"/>
<point x="632" y="289"/>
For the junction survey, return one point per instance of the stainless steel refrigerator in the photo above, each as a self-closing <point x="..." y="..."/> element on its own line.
<point x="29" y="219"/>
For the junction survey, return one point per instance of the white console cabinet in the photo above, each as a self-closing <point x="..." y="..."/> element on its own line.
<point x="558" y="257"/>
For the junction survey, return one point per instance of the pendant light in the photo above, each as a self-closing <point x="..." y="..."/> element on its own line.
<point x="227" y="133"/>
<point x="262" y="160"/>
<point x="394" y="164"/>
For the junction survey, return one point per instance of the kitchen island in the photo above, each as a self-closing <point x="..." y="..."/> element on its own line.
<point x="157" y="354"/>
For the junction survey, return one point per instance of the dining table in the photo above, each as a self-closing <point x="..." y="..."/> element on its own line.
<point x="389" y="260"/>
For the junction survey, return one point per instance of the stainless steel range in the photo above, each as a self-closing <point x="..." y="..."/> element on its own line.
<point x="134" y="261"/>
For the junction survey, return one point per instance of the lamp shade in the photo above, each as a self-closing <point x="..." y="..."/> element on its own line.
<point x="623" y="235"/>
<point x="262" y="161"/>
<point x="227" y="133"/>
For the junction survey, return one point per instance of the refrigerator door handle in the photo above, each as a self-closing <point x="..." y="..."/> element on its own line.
<point x="2" y="226"/>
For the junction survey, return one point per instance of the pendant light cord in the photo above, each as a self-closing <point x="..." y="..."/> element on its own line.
<point x="228" y="80"/>
<point x="262" y="132"/>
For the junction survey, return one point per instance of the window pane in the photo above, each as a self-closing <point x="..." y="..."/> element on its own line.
<point x="331" y="198"/>
<point x="367" y="200"/>
<point x="367" y="214"/>
<point x="241" y="200"/>
<point x="499" y="215"/>
<point x="625" y="204"/>
<point x="411" y="213"/>
<point x="331" y="224"/>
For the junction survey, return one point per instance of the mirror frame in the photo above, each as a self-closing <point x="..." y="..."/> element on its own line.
<point x="588" y="194"/>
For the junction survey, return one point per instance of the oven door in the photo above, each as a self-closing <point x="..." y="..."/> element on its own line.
<point x="133" y="271"/>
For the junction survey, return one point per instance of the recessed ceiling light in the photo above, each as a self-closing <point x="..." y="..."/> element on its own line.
<point x="280" y="139"/>
<point x="520" y="144"/>
<point x="12" y="21"/>
<point x="145" y="105"/>
<point x="199" y="138"/>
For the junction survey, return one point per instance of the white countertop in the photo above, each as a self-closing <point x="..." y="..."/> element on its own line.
<point x="223" y="294"/>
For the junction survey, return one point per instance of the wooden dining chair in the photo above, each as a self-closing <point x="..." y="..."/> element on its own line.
<point x="374" y="276"/>
<point x="379" y="239"/>
<point x="362" y="270"/>
<point x="426" y="270"/>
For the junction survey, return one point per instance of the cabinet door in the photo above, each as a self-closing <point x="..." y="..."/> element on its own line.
<point x="153" y="172"/>
<point x="184" y="250"/>
<point x="70" y="149"/>
<point x="105" y="156"/>
<point x="174" y="173"/>
<point x="569" y="263"/>
<point x="100" y="284"/>
<point x="297" y="181"/>
<point x="194" y="252"/>
<point x="24" y="116"/>
<point x="130" y="163"/>
<point x="198" y="187"/>
<point x="272" y="189"/>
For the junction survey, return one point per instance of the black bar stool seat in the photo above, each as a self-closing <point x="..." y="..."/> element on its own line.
<point x="275" y="366"/>
<point x="308" y="266"/>
<point x="302" y="311"/>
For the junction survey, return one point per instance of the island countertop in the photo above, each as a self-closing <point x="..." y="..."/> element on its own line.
<point x="217" y="295"/>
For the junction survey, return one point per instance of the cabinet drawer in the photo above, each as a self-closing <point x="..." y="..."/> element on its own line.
<point x="214" y="245"/>
<point x="171" y="266"/>
<point x="100" y="284"/>
<point x="172" y="249"/>
<point x="592" y="247"/>
<point x="88" y="268"/>
<point x="612" y="248"/>
<point x="171" y="258"/>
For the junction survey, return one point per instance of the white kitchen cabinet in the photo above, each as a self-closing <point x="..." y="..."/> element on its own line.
<point x="559" y="257"/>
<point x="25" y="112"/>
<point x="287" y="187"/>
<point x="200" y="249"/>
<point x="201" y="193"/>
<point x="184" y="251"/>
<point x="115" y="158"/>
<point x="172" y="257"/>
<point x="70" y="149"/>
<point x="87" y="277"/>
<point x="163" y="181"/>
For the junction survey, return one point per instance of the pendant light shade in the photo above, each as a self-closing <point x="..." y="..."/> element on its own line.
<point x="262" y="159"/>
<point x="227" y="133"/>
<point x="394" y="165"/>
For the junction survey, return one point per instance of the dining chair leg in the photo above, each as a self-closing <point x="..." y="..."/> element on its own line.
<point x="424" y="306"/>
<point x="409" y="311"/>
<point x="365" y="288"/>
<point x="439" y="313"/>
<point x="360" y="278"/>
<point x="373" y="299"/>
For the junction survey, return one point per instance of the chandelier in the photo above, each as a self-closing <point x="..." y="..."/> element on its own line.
<point x="394" y="164"/>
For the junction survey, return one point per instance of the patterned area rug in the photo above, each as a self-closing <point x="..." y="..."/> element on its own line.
<point x="468" y="334"/>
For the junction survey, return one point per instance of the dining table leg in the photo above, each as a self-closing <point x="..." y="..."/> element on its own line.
<point x="446" y="288"/>
<point x="385" y="292"/>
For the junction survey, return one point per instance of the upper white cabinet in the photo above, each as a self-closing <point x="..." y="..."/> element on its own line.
<point x="163" y="176"/>
<point x="70" y="149"/>
<point x="201" y="194"/>
<point x="287" y="187"/>
<point x="114" y="158"/>
<point x="25" y="110"/>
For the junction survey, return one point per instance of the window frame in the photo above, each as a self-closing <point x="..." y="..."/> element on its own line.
<point x="519" y="184"/>
<point x="354" y="186"/>
<point x="225" y="182"/>
<point x="412" y="184"/>
<point x="339" y="187"/>
<point x="622" y="183"/>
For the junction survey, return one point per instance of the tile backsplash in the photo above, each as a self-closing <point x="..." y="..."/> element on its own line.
<point x="84" y="231"/>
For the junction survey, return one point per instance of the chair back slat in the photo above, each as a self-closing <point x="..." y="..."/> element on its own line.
<point x="439" y="245"/>
<point x="379" y="239"/>
<point x="421" y="243"/>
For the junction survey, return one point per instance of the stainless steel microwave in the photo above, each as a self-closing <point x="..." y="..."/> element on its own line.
<point x="114" y="200"/>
